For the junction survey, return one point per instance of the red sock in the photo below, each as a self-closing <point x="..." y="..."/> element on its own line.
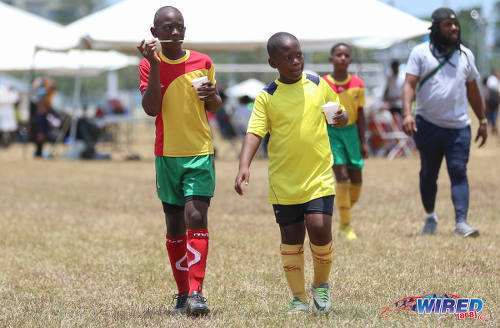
<point x="197" y="258"/>
<point x="176" y="248"/>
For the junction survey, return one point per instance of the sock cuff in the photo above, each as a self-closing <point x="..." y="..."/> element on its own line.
<point x="198" y="234"/>
<point x="287" y="249"/>
<point x="173" y="242"/>
<point x="322" y="250"/>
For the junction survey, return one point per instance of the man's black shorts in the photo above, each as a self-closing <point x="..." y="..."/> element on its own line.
<point x="290" y="214"/>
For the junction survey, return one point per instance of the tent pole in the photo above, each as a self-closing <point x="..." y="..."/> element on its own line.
<point x="76" y="100"/>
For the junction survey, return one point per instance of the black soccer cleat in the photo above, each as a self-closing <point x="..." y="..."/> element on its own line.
<point x="196" y="305"/>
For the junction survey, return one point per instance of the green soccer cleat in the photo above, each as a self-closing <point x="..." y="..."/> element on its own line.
<point x="321" y="298"/>
<point x="296" y="306"/>
<point x="347" y="232"/>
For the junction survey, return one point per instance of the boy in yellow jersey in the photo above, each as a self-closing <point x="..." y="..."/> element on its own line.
<point x="185" y="172"/>
<point x="348" y="143"/>
<point x="300" y="160"/>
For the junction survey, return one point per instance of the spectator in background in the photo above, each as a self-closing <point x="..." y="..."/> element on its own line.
<point x="8" y="122"/>
<point x="226" y="129"/>
<point x="241" y="115"/>
<point x="492" y="100"/>
<point x="393" y="93"/>
<point x="224" y="119"/>
<point x="45" y="123"/>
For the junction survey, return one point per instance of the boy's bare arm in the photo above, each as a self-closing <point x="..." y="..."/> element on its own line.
<point x="151" y="97"/>
<point x="248" y="150"/>
<point x="361" y="132"/>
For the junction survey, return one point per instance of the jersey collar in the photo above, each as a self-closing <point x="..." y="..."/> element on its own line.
<point x="331" y="79"/>
<point x="176" y="61"/>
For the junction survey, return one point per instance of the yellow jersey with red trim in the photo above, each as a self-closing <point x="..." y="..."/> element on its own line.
<point x="182" y="127"/>
<point x="300" y="159"/>
<point x="351" y="92"/>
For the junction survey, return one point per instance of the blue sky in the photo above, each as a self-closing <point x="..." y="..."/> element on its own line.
<point x="424" y="8"/>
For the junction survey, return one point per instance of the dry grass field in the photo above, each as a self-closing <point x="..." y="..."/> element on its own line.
<point x="82" y="245"/>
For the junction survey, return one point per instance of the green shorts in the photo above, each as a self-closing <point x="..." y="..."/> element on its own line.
<point x="345" y="146"/>
<point x="181" y="177"/>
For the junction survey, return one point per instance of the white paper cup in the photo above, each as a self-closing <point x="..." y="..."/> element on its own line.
<point x="198" y="81"/>
<point x="330" y="109"/>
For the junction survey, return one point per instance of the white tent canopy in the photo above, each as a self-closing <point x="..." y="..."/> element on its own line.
<point x="227" y="25"/>
<point x="250" y="87"/>
<point x="22" y="31"/>
<point x="74" y="62"/>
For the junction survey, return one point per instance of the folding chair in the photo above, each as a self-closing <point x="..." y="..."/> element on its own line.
<point x="397" y="143"/>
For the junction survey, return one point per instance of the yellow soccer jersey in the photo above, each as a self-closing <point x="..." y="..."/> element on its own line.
<point x="351" y="92"/>
<point x="300" y="159"/>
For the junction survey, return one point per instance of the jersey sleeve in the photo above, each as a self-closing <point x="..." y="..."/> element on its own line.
<point x="259" y="123"/>
<point x="211" y="72"/>
<point x="413" y="67"/>
<point x="144" y="68"/>
<point x="361" y="95"/>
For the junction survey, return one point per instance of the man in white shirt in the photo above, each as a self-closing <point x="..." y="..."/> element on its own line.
<point x="443" y="76"/>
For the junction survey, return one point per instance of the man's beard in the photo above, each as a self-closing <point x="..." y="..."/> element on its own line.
<point x="446" y="41"/>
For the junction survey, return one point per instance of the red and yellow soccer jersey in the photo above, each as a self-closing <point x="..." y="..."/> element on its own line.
<point x="351" y="92"/>
<point x="182" y="128"/>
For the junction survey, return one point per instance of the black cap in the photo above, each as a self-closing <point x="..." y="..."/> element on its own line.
<point x="442" y="14"/>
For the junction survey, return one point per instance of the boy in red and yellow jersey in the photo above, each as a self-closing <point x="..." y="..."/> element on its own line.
<point x="185" y="171"/>
<point x="347" y="143"/>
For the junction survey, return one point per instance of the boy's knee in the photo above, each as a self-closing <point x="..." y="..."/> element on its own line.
<point x="196" y="219"/>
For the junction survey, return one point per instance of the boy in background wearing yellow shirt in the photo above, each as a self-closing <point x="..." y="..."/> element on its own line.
<point x="348" y="142"/>
<point x="302" y="195"/>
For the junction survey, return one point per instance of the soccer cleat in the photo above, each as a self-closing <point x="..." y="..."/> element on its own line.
<point x="347" y="232"/>
<point x="180" y="304"/>
<point x="196" y="304"/>
<point x="464" y="230"/>
<point x="296" y="306"/>
<point x="430" y="226"/>
<point x="321" y="298"/>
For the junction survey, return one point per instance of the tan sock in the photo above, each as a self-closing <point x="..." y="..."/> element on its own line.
<point x="292" y="257"/>
<point x="343" y="200"/>
<point x="322" y="261"/>
<point x="355" y="192"/>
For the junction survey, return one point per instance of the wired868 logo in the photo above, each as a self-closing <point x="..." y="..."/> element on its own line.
<point x="463" y="308"/>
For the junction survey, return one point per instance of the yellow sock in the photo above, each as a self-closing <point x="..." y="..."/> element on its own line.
<point x="293" y="265"/>
<point x="343" y="200"/>
<point x="322" y="260"/>
<point x="355" y="192"/>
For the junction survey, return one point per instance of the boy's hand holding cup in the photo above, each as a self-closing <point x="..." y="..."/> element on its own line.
<point x="335" y="116"/>
<point x="198" y="85"/>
